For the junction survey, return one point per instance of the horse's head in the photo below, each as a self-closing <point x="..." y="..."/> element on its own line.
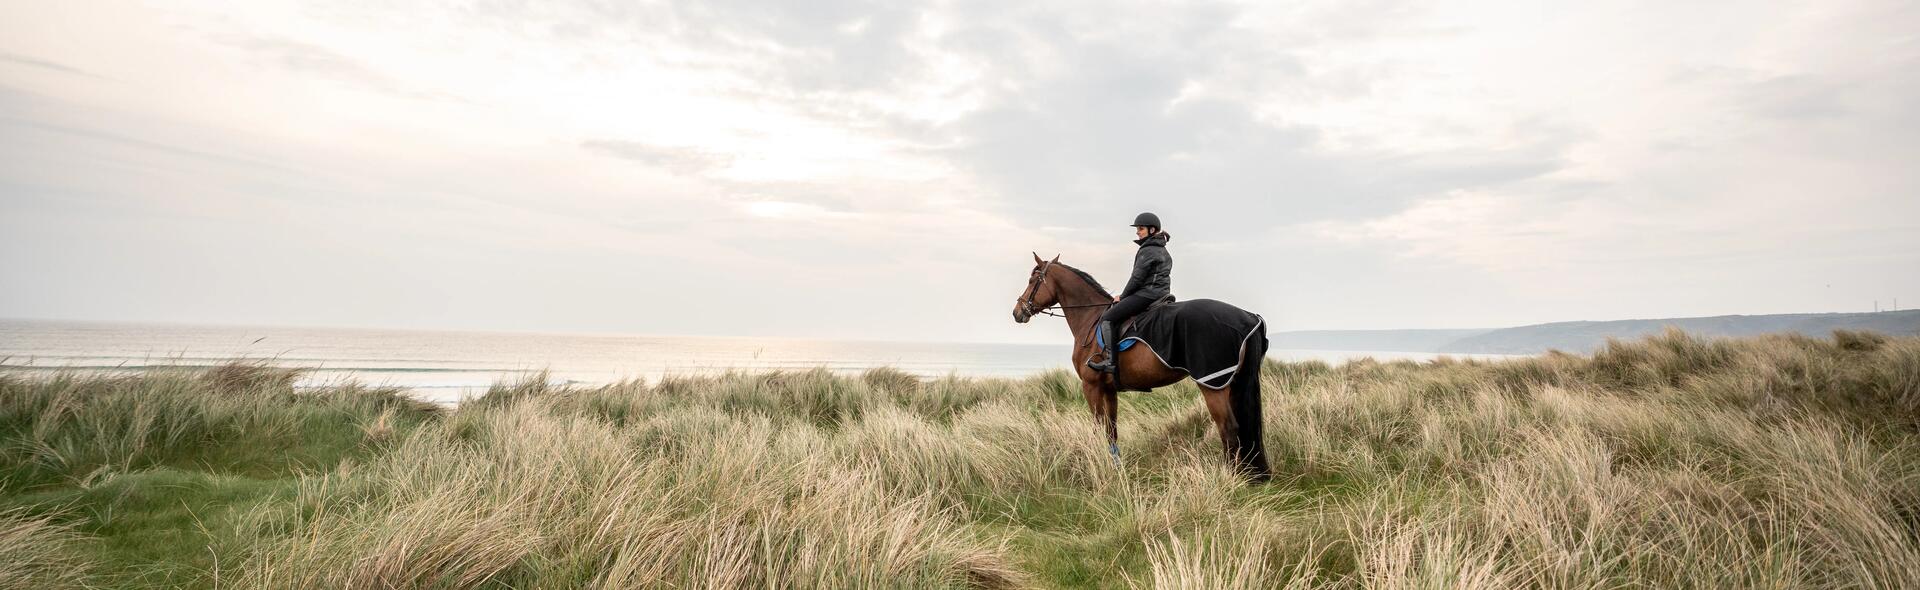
<point x="1039" y="293"/>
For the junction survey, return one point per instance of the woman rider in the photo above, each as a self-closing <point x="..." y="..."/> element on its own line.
<point x="1152" y="279"/>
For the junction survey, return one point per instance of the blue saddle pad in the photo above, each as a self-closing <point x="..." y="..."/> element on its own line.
<point x="1125" y="343"/>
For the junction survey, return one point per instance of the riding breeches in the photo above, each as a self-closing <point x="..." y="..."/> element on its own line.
<point x="1127" y="307"/>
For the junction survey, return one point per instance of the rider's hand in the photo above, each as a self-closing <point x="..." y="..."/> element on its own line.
<point x="1116" y="298"/>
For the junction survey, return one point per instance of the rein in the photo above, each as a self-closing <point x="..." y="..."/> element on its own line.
<point x="1049" y="309"/>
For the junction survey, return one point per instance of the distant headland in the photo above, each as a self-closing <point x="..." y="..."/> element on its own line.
<point x="1585" y="336"/>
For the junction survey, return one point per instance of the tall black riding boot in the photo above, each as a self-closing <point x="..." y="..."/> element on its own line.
<point x="1103" y="335"/>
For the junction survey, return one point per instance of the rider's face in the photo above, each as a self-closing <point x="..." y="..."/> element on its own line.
<point x="1140" y="231"/>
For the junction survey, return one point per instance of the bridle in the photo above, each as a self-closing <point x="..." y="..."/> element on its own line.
<point x="1040" y="278"/>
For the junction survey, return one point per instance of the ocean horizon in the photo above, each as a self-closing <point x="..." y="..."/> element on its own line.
<point x="448" y="366"/>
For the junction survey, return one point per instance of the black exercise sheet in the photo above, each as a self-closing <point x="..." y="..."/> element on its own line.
<point x="1203" y="337"/>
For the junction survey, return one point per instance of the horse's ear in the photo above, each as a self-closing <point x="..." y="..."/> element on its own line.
<point x="1056" y="259"/>
<point x="1036" y="258"/>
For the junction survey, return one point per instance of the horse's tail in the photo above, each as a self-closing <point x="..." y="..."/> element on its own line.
<point x="1250" y="446"/>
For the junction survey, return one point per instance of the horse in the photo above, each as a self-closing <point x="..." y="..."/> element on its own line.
<point x="1235" y="408"/>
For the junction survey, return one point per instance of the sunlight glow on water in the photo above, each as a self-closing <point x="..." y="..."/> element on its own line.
<point x="447" y="366"/>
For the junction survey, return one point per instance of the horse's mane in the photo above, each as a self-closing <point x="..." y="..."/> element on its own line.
<point x="1088" y="278"/>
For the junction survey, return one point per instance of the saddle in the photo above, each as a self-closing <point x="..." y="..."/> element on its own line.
<point x="1126" y="327"/>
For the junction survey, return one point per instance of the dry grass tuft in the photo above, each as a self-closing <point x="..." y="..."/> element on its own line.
<point x="250" y="376"/>
<point x="38" y="553"/>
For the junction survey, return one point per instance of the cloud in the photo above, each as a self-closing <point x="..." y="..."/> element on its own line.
<point x="1470" y="228"/>
<point x="685" y="161"/>
<point x="793" y="211"/>
<point x="829" y="45"/>
<point x="8" y="96"/>
<point x="44" y="64"/>
<point x="1062" y="115"/>
<point x="1108" y="123"/>
<point x="320" y="62"/>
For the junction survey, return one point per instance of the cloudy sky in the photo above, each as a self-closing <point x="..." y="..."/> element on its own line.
<point x="882" y="170"/>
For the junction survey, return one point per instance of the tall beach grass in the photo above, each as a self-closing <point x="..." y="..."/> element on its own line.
<point x="1674" y="461"/>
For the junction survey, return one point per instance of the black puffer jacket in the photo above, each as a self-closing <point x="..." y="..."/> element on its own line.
<point x="1152" y="268"/>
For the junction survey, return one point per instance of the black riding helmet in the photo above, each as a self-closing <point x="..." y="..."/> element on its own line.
<point x="1147" y="219"/>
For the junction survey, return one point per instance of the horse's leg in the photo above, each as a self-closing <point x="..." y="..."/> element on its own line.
<point x="1219" y="404"/>
<point x="1104" y="401"/>
<point x="1094" y="399"/>
<point x="1112" y="403"/>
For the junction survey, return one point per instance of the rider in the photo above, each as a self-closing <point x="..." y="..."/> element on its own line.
<point x="1152" y="279"/>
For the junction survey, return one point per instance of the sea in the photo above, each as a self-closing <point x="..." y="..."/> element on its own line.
<point x="449" y="366"/>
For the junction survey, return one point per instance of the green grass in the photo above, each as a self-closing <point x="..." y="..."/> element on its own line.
<point x="1667" y="462"/>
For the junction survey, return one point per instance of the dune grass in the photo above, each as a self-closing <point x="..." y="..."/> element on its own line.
<point x="1667" y="462"/>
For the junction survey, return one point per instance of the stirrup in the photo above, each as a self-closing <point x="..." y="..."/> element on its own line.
<point x="1103" y="337"/>
<point x="1104" y="365"/>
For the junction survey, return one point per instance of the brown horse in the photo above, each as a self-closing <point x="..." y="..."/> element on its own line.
<point x="1235" y="408"/>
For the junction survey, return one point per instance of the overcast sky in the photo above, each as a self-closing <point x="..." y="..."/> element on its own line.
<point x="883" y="169"/>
